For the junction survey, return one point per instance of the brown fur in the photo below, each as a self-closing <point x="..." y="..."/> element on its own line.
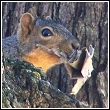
<point x="41" y="59"/>
<point x="30" y="34"/>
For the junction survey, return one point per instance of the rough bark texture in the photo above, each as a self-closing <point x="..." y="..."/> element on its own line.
<point x="25" y="86"/>
<point x="86" y="21"/>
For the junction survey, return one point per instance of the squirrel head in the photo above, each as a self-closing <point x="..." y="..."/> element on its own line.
<point x="33" y="31"/>
<point x="44" y="32"/>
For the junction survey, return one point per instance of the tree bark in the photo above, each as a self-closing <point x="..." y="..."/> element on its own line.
<point x="88" y="22"/>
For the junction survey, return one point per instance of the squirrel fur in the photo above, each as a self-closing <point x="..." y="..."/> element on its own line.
<point x="35" y="37"/>
<point x="45" y="43"/>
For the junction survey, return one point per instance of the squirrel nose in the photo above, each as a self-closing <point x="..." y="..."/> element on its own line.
<point x="75" y="44"/>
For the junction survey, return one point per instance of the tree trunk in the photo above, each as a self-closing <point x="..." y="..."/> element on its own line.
<point x="88" y="22"/>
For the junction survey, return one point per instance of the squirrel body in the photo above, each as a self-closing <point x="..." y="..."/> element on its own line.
<point x="41" y="59"/>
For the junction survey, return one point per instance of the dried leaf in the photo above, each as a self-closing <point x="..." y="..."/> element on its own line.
<point x="87" y="67"/>
<point x="84" y="66"/>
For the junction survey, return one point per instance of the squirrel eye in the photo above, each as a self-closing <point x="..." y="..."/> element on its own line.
<point x="46" y="32"/>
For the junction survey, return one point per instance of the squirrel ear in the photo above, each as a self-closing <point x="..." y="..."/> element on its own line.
<point x="26" y="22"/>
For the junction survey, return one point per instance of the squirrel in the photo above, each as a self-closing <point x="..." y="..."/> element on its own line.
<point x="43" y="42"/>
<point x="46" y="43"/>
